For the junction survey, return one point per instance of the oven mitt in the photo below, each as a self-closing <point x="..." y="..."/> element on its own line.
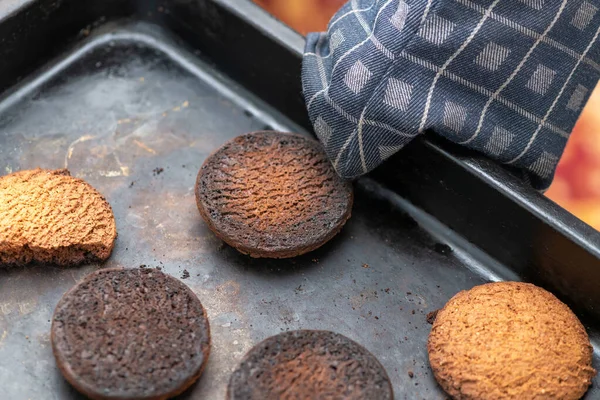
<point x="507" y="78"/>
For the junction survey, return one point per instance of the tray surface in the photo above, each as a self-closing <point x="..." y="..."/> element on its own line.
<point x="135" y="115"/>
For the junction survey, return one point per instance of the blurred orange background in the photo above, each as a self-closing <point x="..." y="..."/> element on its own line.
<point x="303" y="15"/>
<point x="576" y="186"/>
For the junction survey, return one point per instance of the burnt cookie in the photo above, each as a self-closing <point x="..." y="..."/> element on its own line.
<point x="510" y="340"/>
<point x="50" y="217"/>
<point x="130" y="334"/>
<point x="272" y="194"/>
<point x="304" y="365"/>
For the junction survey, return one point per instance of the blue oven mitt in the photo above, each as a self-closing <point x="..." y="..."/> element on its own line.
<point x="505" y="77"/>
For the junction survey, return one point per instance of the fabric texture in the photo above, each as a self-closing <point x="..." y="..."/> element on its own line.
<point x="507" y="78"/>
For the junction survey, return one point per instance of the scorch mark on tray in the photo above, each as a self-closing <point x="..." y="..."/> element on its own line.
<point x="27" y="307"/>
<point x="71" y="147"/>
<point x="5" y="308"/>
<point x="143" y="146"/>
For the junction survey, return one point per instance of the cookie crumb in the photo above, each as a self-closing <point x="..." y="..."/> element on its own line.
<point x="365" y="265"/>
<point x="410" y="374"/>
<point x="157" y="171"/>
<point x="185" y="274"/>
<point x="431" y="317"/>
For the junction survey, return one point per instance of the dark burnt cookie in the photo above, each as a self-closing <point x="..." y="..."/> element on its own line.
<point x="306" y="365"/>
<point x="130" y="334"/>
<point x="272" y="194"/>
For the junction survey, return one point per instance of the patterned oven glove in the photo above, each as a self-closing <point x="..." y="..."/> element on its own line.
<point x="505" y="77"/>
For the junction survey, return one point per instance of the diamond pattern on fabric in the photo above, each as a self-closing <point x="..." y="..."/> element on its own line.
<point x="397" y="94"/>
<point x="454" y="116"/>
<point x="584" y="15"/>
<point x="544" y="165"/>
<point x="399" y="17"/>
<point x="337" y="38"/>
<point x="576" y="99"/>
<point x="541" y="79"/>
<point x="357" y="76"/>
<point x="499" y="141"/>
<point x="492" y="56"/>
<point x="322" y="130"/>
<point x="436" y="29"/>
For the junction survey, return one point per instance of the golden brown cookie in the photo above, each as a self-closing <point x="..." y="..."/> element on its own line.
<point x="50" y="217"/>
<point x="130" y="334"/>
<point x="510" y="340"/>
<point x="306" y="365"/>
<point x="272" y="194"/>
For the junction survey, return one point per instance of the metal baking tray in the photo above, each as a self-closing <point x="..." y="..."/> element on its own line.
<point x="132" y="96"/>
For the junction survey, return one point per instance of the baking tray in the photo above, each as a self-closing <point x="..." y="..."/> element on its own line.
<point x="132" y="96"/>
